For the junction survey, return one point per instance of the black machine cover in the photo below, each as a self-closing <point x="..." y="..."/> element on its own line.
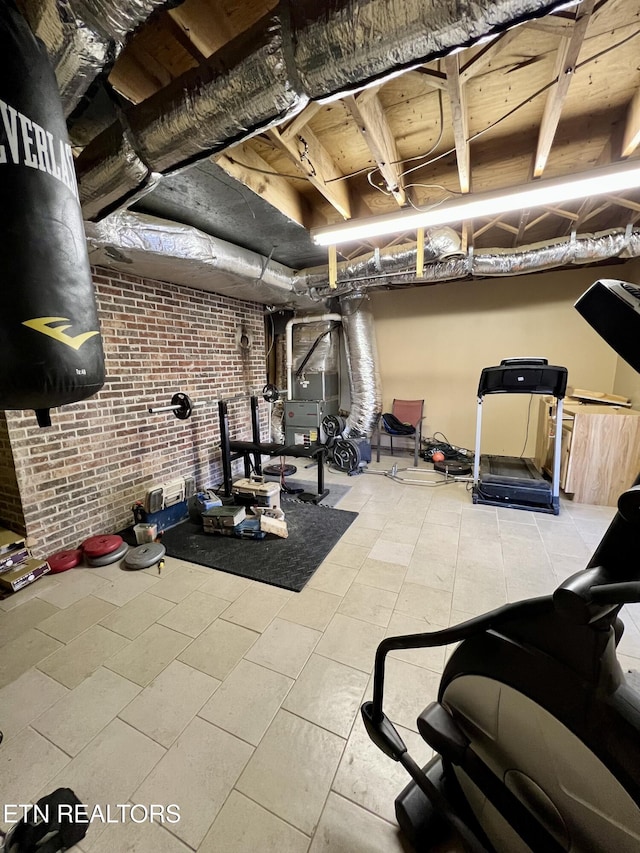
<point x="523" y="376"/>
<point x="613" y="309"/>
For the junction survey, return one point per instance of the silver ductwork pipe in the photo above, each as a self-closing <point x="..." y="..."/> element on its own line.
<point x="203" y="111"/>
<point x="572" y="251"/>
<point x="301" y="51"/>
<point x="346" y="44"/>
<point x="157" y="249"/>
<point x="362" y="365"/>
<point x="84" y="37"/>
<point x="161" y="250"/>
<point x="439" y="243"/>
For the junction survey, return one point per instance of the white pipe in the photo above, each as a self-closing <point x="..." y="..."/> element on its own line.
<point x="313" y="318"/>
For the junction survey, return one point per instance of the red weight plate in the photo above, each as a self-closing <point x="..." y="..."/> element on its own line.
<point x="98" y="546"/>
<point x="63" y="560"/>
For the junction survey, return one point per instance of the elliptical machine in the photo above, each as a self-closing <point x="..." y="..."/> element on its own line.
<point x="536" y="731"/>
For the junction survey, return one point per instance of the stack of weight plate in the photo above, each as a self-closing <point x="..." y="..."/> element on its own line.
<point x="104" y="550"/>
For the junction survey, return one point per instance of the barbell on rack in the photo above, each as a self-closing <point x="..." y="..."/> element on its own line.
<point x="182" y="406"/>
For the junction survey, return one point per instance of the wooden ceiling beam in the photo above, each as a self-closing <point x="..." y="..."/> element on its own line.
<point x="460" y="119"/>
<point x="522" y="227"/>
<point x="565" y="66"/>
<point x="301" y="120"/>
<point x="372" y="123"/>
<point x="623" y="202"/>
<point x="437" y="79"/>
<point x="551" y="24"/>
<point x="506" y="227"/>
<point x="590" y="214"/>
<point x="369" y="92"/>
<point x="610" y="153"/>
<point x="538" y="219"/>
<point x="631" y="136"/>
<point x="467" y="236"/>
<point x="488" y="225"/>
<point x="313" y="159"/>
<point x="247" y="166"/>
<point x="486" y="55"/>
<point x="181" y="35"/>
<point x="559" y="211"/>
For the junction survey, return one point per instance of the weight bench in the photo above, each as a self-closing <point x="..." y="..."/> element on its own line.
<point x="235" y="449"/>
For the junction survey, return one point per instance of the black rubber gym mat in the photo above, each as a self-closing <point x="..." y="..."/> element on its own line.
<point x="288" y="563"/>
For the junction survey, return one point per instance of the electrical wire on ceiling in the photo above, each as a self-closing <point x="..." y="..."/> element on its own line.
<point x="493" y="124"/>
<point x="426" y="162"/>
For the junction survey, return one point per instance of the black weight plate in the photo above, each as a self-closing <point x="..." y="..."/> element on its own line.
<point x="145" y="555"/>
<point x="183" y="401"/>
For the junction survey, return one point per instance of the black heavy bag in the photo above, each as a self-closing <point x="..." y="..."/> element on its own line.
<point x="50" y="344"/>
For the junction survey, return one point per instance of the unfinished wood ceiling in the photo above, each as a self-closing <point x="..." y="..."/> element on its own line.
<point x="547" y="98"/>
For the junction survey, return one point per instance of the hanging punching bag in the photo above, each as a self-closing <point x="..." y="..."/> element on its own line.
<point x="50" y="344"/>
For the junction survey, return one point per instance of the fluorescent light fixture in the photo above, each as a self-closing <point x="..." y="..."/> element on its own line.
<point x="609" y="179"/>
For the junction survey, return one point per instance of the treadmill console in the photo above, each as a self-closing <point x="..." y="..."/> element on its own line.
<point x="523" y="376"/>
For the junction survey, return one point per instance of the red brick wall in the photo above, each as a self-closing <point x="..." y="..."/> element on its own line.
<point x="80" y="476"/>
<point x="11" y="515"/>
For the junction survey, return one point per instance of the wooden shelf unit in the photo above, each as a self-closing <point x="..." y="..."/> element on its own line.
<point x="600" y="449"/>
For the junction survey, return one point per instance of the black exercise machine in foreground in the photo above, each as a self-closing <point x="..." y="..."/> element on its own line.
<point x="536" y="731"/>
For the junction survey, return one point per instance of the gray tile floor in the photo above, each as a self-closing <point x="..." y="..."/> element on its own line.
<point x="237" y="701"/>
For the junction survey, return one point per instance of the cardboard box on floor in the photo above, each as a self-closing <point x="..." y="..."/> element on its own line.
<point x="23" y="574"/>
<point x="12" y="549"/>
<point x="17" y="569"/>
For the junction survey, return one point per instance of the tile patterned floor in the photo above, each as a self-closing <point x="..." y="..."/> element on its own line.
<point x="238" y="701"/>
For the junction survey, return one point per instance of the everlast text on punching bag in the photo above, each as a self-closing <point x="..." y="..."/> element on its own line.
<point x="50" y="344"/>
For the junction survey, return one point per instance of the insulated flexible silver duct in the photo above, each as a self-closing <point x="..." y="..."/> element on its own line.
<point x="155" y="248"/>
<point x="303" y="50"/>
<point x="362" y="364"/>
<point x="587" y="249"/>
<point x="341" y="46"/>
<point x="84" y="37"/>
<point x="439" y="243"/>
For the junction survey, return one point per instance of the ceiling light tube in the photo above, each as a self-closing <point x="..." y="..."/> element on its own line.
<point x="609" y="179"/>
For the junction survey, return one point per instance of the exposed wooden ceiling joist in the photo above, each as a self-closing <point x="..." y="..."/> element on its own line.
<point x="506" y="112"/>
<point x="248" y="167"/>
<point x="565" y="68"/>
<point x="486" y="54"/>
<point x="312" y="158"/>
<point x="460" y="119"/>
<point x="372" y="123"/>
<point x="289" y="131"/>
<point x="631" y="136"/>
<point x="437" y="79"/>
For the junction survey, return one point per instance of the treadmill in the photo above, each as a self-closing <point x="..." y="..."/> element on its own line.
<point x="512" y="481"/>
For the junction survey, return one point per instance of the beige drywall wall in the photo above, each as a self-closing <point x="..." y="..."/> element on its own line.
<point x="434" y="341"/>
<point x="627" y="380"/>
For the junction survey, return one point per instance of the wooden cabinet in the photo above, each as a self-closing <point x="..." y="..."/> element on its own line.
<point x="600" y="455"/>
